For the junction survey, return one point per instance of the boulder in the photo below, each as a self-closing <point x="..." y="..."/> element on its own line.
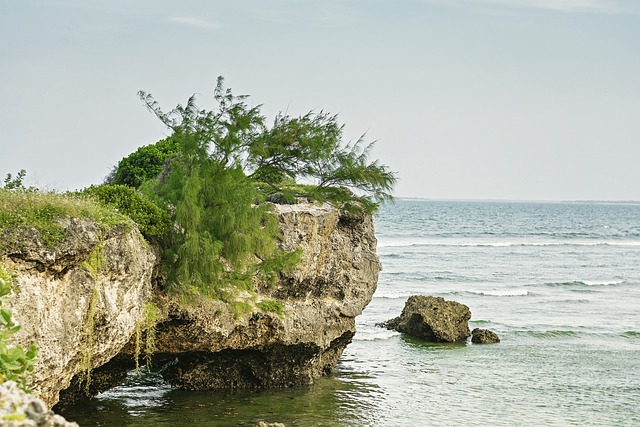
<point x="20" y="409"/>
<point x="433" y="319"/>
<point x="484" y="336"/>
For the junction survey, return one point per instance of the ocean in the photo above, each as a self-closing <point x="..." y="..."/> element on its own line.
<point x="558" y="282"/>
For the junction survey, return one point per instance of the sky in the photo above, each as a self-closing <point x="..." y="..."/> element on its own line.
<point x="466" y="99"/>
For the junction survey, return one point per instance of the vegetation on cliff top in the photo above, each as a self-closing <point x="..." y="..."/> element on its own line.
<point x="22" y="207"/>
<point x="215" y="171"/>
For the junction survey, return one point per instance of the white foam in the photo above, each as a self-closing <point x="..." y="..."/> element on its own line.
<point x="374" y="334"/>
<point x="602" y="282"/>
<point x="398" y="244"/>
<point x="504" y="293"/>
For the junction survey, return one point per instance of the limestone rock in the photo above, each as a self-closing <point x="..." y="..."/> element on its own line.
<point x="20" y="409"/>
<point x="205" y="345"/>
<point x="484" y="336"/>
<point x="80" y="300"/>
<point x="433" y="319"/>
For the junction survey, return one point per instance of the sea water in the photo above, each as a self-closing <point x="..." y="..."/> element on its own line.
<point x="558" y="282"/>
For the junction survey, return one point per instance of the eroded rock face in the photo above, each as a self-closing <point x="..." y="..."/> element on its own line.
<point x="433" y="319"/>
<point x="95" y="280"/>
<point x="205" y="345"/>
<point x="484" y="336"/>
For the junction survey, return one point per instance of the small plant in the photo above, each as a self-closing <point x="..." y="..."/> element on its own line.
<point x="95" y="263"/>
<point x="88" y="332"/>
<point x="147" y="325"/>
<point x="15" y="363"/>
<point x="240" y="308"/>
<point x="15" y="183"/>
<point x="272" y="305"/>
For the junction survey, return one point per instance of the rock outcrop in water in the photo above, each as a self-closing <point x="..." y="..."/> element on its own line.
<point x="83" y="315"/>
<point x="484" y="336"/>
<point x="79" y="300"/>
<point x="206" y="345"/>
<point x="433" y="319"/>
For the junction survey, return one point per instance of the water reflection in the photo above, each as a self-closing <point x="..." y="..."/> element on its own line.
<point x="147" y="400"/>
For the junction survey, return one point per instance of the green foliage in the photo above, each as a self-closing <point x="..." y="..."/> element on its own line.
<point x="146" y="325"/>
<point x="212" y="176"/>
<point x="14" y="417"/>
<point x="270" y="269"/>
<point x="310" y="148"/>
<point x="273" y="306"/>
<point x="14" y="183"/>
<point x="221" y="234"/>
<point x="15" y="363"/>
<point x="95" y="263"/>
<point x="87" y="336"/>
<point x="44" y="210"/>
<point x="240" y="308"/>
<point x="145" y="163"/>
<point x="152" y="221"/>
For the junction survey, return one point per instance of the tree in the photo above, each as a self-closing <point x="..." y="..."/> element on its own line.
<point x="310" y="148"/>
<point x="211" y="175"/>
<point x="14" y="183"/>
<point x="222" y="234"/>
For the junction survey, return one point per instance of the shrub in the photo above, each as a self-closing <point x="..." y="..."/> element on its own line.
<point x="145" y="163"/>
<point x="152" y="221"/>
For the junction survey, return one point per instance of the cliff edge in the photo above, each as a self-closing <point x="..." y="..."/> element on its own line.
<point x="78" y="300"/>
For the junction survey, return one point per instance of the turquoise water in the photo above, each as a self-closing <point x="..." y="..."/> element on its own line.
<point x="560" y="284"/>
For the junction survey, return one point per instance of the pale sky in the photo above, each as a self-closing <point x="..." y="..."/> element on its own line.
<point x="468" y="99"/>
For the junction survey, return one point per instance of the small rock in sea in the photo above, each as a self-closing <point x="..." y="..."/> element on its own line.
<point x="432" y="319"/>
<point x="484" y="336"/>
<point x="266" y="424"/>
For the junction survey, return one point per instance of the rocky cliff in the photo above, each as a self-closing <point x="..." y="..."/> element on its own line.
<point x="203" y="345"/>
<point x="78" y="300"/>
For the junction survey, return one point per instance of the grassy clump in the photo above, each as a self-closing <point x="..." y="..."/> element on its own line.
<point x="43" y="210"/>
<point x="272" y="306"/>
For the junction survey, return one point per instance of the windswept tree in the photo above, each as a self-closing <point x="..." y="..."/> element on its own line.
<point x="222" y="234"/>
<point x="310" y="148"/>
<point x="211" y="175"/>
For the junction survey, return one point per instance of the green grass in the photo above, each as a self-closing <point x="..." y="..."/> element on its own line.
<point x="43" y="210"/>
<point x="271" y="305"/>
